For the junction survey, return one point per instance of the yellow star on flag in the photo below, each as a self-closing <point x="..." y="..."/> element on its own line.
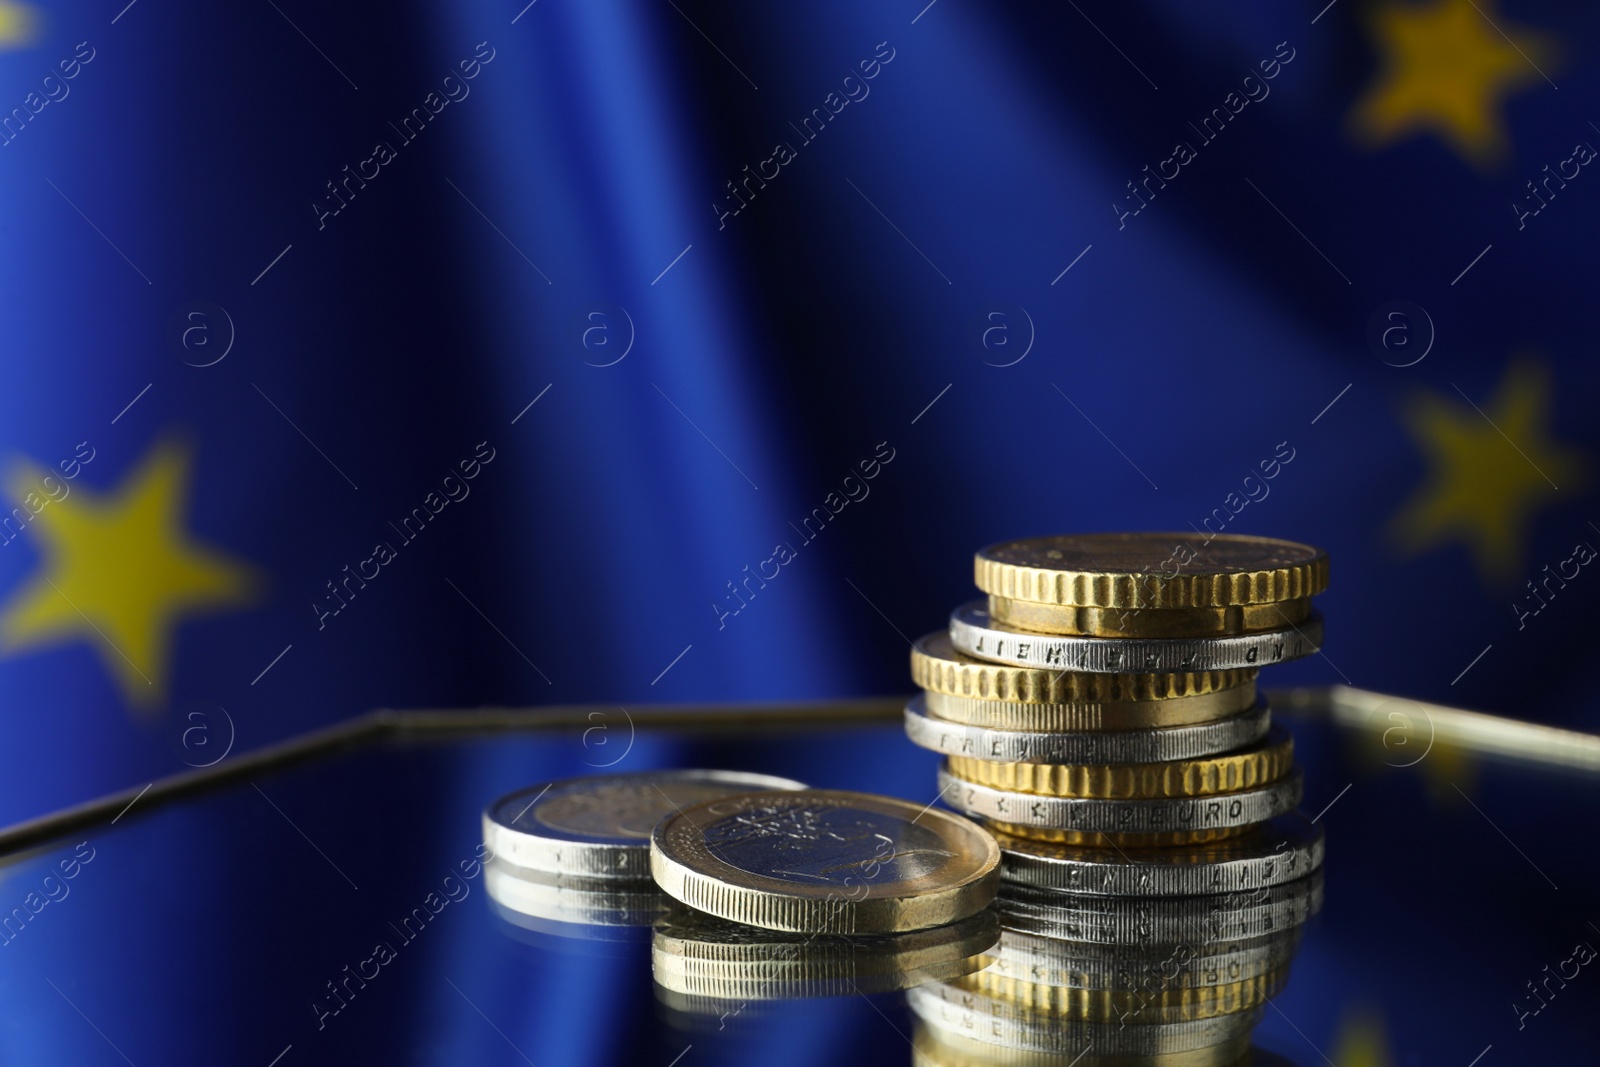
<point x="1361" y="1041"/>
<point x="119" y="571"/>
<point x="1490" y="467"/>
<point x="19" y="24"/>
<point x="1446" y="66"/>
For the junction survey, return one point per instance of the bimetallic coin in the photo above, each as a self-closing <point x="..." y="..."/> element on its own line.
<point x="1151" y="968"/>
<point x="1152" y="921"/>
<point x="973" y="633"/>
<point x="714" y="960"/>
<point x="1281" y="850"/>
<point x="600" y="826"/>
<point x="1102" y="715"/>
<point x="1240" y="808"/>
<point x="1151" y="570"/>
<point x="1260" y="764"/>
<point x="1148" y="622"/>
<point x="998" y="995"/>
<point x="934" y="731"/>
<point x="825" y="861"/>
<point x="937" y="667"/>
<point x="1099" y="839"/>
<point x="571" y="906"/>
<point x="969" y="1027"/>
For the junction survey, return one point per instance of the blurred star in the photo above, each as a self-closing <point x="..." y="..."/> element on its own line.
<point x="119" y="571"/>
<point x="1446" y="69"/>
<point x="1490" y="467"/>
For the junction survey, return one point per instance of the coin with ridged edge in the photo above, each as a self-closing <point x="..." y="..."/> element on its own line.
<point x="600" y="826"/>
<point x="1153" y="622"/>
<point x="935" y="732"/>
<point x="1282" y="849"/>
<point x="1242" y="807"/>
<point x="705" y="957"/>
<point x="1103" y="715"/>
<point x="1187" y="963"/>
<point x="937" y="667"/>
<point x="1002" y="995"/>
<point x="973" y="633"/>
<point x="559" y="902"/>
<point x="958" y="1024"/>
<point x="1151" y="570"/>
<point x="825" y="861"/>
<point x="1261" y="763"/>
<point x="1150" y="921"/>
<point x="1100" y="839"/>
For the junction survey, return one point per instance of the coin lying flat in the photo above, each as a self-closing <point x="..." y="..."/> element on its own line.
<point x="1161" y="921"/>
<point x="714" y="960"/>
<point x="973" y="633"/>
<point x="937" y="667"/>
<point x="1281" y="850"/>
<point x="968" y="1029"/>
<point x="825" y="861"/>
<point x="1222" y="810"/>
<point x="1248" y="768"/>
<point x="1190" y="962"/>
<point x="1151" y="570"/>
<point x="935" y="732"/>
<point x="1099" y="715"/>
<point x="1149" y="622"/>
<point x="600" y="826"/>
<point x="1001" y="996"/>
<point x="1100" y="839"/>
<point x="571" y="906"/>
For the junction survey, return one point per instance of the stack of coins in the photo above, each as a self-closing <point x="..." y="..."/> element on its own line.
<point x="1106" y="691"/>
<point x="1099" y="713"/>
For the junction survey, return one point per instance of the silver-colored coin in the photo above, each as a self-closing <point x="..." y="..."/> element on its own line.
<point x="1048" y="961"/>
<point x="1219" y="811"/>
<point x="973" y="633"/>
<point x="967" y="1024"/>
<point x="554" y="903"/>
<point x="1282" y="849"/>
<point x="600" y="826"/>
<point x="1161" y="920"/>
<point x="701" y="956"/>
<point x="1099" y="746"/>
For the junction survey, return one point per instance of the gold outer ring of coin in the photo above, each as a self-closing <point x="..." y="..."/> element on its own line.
<point x="687" y="869"/>
<point x="935" y="1046"/>
<point x="937" y="667"/>
<point x="1175" y="1004"/>
<point x="1101" y="839"/>
<point x="1151" y="570"/>
<point x="1101" y="715"/>
<point x="1151" y="622"/>
<point x="1263" y="762"/>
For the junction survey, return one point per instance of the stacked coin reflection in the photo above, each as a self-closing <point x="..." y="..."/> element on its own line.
<point x="1099" y="713"/>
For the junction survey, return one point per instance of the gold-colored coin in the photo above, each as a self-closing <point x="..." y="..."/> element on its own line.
<point x="937" y="1045"/>
<point x="937" y="667"/>
<point x="1104" y="715"/>
<point x="1151" y="622"/>
<point x="1100" y="839"/>
<point x="825" y="861"/>
<point x="1173" y="1004"/>
<point x="1263" y="762"/>
<point x="1151" y="570"/>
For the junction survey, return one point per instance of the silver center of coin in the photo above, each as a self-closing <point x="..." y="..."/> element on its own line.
<point x="826" y="845"/>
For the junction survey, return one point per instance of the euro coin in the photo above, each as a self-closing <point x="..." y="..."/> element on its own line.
<point x="1257" y="765"/>
<point x="1222" y="810"/>
<point x="935" y="732"/>
<point x="600" y="826"/>
<point x="825" y="861"/>
<point x="973" y="633"/>
<point x="1149" y="622"/>
<point x="937" y="667"/>
<point x="1151" y="570"/>
<point x="1282" y="849"/>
